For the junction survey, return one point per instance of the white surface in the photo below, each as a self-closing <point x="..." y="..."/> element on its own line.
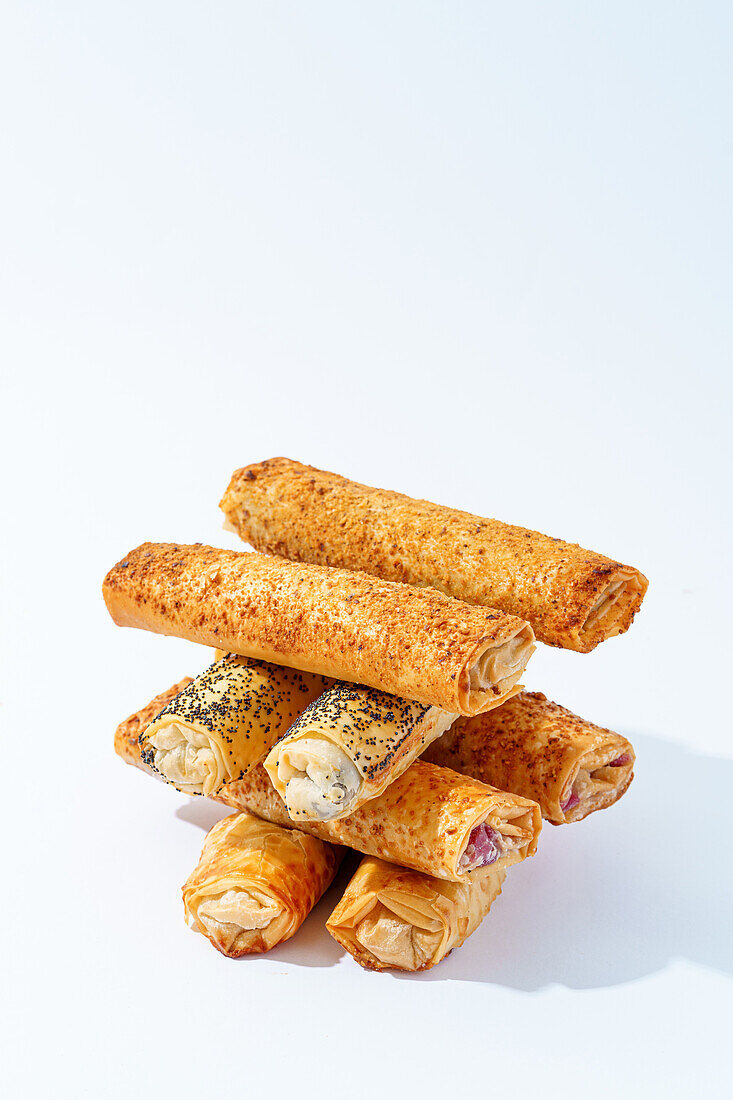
<point x="476" y="252"/>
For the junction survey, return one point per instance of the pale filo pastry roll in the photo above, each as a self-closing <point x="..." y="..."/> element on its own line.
<point x="431" y="818"/>
<point x="225" y="721"/>
<point x="572" y="597"/>
<point x="347" y="747"/>
<point x="414" y="643"/>
<point x="390" y="918"/>
<point x="542" y="751"/>
<point x="255" y="884"/>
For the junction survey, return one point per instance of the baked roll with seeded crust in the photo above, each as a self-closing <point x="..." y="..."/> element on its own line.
<point x="225" y="722"/>
<point x="347" y="747"/>
<point x="393" y="919"/>
<point x="542" y="751"/>
<point x="572" y="597"/>
<point x="430" y="819"/>
<point x="255" y="884"/>
<point x="415" y="643"/>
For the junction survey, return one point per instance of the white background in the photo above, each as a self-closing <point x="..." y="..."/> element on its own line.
<point x="477" y="252"/>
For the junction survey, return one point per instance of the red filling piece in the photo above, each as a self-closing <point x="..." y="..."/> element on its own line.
<point x="620" y="760"/>
<point x="483" y="847"/>
<point x="572" y="800"/>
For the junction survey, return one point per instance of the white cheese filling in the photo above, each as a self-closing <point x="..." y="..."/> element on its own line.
<point x="188" y="759"/>
<point x="319" y="778"/>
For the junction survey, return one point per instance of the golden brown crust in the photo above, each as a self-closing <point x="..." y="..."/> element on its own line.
<point x="539" y="749"/>
<point x="393" y="919"/>
<point x="415" y="643"/>
<point x="422" y="820"/>
<point x="280" y="870"/>
<point x="128" y="732"/>
<point x="283" y="507"/>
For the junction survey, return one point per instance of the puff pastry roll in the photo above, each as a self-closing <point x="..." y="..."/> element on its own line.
<point x="346" y="749"/>
<point x="542" y="751"/>
<point x="572" y="597"/>
<point x="255" y="884"/>
<point x="225" y="721"/>
<point x="415" y="643"/>
<point x="393" y="919"/>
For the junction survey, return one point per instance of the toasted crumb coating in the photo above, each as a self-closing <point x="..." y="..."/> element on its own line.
<point x="572" y="597"/>
<point x="542" y="751"/>
<point x="414" y="643"/>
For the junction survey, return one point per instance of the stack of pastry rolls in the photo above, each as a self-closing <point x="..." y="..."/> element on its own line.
<point x="365" y="695"/>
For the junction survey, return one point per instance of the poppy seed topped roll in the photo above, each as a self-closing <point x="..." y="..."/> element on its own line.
<point x="572" y="597"/>
<point x="415" y="643"/>
<point x="225" y="722"/>
<point x="347" y="747"/>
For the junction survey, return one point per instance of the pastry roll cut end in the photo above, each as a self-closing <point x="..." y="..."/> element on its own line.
<point x="320" y="781"/>
<point x="393" y="919"/>
<point x="232" y="919"/>
<point x="599" y="779"/>
<point x="255" y="884"/>
<point x="347" y="747"/>
<point x="184" y="757"/>
<point x="128" y="732"/>
<point x="614" y="608"/>
<point x="505" y="836"/>
<point x="495" y="671"/>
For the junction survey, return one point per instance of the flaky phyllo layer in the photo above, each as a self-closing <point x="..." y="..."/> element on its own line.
<point x="225" y="721"/>
<point x="614" y="607"/>
<point x="499" y="837"/>
<point x="497" y="670"/>
<point x="346" y="749"/>
<point x="596" y="780"/>
<point x="390" y="918"/>
<point x="255" y="884"/>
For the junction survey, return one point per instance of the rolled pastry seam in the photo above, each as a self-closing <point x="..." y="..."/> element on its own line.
<point x="225" y="721"/>
<point x="255" y="884"/>
<point x="347" y="747"/>
<point x="542" y="751"/>
<point x="393" y="919"/>
<point x="572" y="597"/>
<point x="127" y="734"/>
<point x="412" y="642"/>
